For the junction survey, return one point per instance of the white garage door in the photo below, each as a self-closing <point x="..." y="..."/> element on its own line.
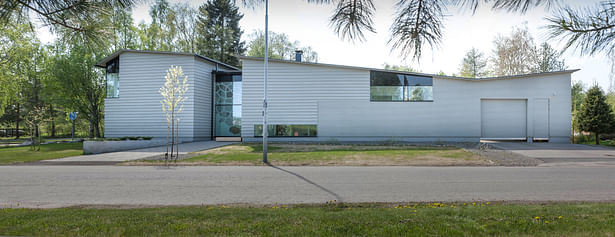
<point x="503" y="119"/>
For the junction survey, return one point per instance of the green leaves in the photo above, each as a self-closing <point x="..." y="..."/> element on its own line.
<point x="218" y="34"/>
<point x="596" y="115"/>
<point x="280" y="47"/>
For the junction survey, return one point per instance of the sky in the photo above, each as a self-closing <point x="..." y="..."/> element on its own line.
<point x="309" y="24"/>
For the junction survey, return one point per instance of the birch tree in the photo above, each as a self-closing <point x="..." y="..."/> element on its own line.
<point x="173" y="93"/>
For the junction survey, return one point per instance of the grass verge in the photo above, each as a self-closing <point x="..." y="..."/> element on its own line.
<point x="318" y="154"/>
<point x="13" y="155"/>
<point x="433" y="219"/>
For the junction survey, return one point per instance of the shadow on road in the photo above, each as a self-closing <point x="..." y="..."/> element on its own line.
<point x="337" y="197"/>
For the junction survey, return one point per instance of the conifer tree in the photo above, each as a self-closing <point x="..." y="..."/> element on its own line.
<point x="596" y="115"/>
<point x="218" y="32"/>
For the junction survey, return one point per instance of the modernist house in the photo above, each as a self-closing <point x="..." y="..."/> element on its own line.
<point x="325" y="102"/>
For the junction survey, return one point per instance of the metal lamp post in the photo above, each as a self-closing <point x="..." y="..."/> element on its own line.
<point x="265" y="82"/>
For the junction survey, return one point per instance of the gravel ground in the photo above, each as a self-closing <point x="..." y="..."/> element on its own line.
<point x="497" y="156"/>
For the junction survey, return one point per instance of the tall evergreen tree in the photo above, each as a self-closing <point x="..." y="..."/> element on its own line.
<point x="596" y="115"/>
<point x="474" y="64"/>
<point x="218" y="32"/>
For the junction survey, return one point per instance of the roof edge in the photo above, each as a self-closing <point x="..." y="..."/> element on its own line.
<point x="411" y="73"/>
<point x="102" y="63"/>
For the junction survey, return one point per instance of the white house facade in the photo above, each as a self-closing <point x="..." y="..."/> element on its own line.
<point x="324" y="102"/>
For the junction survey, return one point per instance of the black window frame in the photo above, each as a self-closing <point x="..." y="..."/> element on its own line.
<point x="402" y="80"/>
<point x="113" y="66"/>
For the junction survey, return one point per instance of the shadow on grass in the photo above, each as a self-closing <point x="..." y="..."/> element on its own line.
<point x="337" y="196"/>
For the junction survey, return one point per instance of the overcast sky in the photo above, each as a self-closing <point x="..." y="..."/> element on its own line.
<point x="308" y="23"/>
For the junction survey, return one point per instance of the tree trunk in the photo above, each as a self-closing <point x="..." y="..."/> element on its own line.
<point x="597" y="139"/>
<point x="97" y="127"/>
<point x="91" y="129"/>
<point x="53" y="123"/>
<point x="17" y="122"/>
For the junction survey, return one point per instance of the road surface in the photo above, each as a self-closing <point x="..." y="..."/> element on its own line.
<point x="56" y="186"/>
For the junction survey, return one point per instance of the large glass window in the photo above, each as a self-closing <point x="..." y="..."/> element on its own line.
<point x="113" y="79"/>
<point x="280" y="130"/>
<point x="387" y="86"/>
<point x="228" y="105"/>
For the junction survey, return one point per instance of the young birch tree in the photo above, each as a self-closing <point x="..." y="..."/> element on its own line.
<point x="175" y="86"/>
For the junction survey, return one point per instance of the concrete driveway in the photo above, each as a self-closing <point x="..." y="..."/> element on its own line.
<point x="560" y="153"/>
<point x="120" y="156"/>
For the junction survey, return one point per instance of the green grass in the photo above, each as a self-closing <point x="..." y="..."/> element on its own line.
<point x="324" y="220"/>
<point x="12" y="155"/>
<point x="313" y="154"/>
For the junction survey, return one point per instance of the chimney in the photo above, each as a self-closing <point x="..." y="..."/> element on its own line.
<point x="298" y="54"/>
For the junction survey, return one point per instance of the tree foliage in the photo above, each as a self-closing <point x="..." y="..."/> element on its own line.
<point x="517" y="54"/>
<point x="84" y="19"/>
<point x="416" y="24"/>
<point x="474" y="64"/>
<point x="18" y="44"/>
<point x="218" y="34"/>
<point x="590" y="31"/>
<point x="173" y="97"/>
<point x="596" y="115"/>
<point x="78" y="85"/>
<point x="401" y="68"/>
<point x="280" y="47"/>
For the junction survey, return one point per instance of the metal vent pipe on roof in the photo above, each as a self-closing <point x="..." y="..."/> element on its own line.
<point x="298" y="54"/>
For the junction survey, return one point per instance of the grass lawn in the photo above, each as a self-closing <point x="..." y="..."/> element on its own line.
<point x="12" y="155"/>
<point x="432" y="219"/>
<point x="319" y="154"/>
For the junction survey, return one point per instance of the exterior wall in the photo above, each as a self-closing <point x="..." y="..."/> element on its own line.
<point x="202" y="94"/>
<point x="338" y="100"/>
<point x="295" y="92"/>
<point x="138" y="112"/>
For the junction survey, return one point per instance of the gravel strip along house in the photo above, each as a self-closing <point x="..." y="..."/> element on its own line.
<point x="326" y="102"/>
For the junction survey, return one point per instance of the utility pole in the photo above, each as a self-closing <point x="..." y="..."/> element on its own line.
<point x="265" y="82"/>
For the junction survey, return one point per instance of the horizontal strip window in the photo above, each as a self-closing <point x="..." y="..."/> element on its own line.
<point x="387" y="86"/>
<point x="292" y="130"/>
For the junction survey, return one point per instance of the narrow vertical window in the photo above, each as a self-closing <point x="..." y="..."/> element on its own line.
<point x="113" y="78"/>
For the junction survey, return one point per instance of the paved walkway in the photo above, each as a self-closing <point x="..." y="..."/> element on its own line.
<point x="559" y="152"/>
<point x="55" y="186"/>
<point x="139" y="153"/>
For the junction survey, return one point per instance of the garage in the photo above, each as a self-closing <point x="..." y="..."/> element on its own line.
<point x="503" y="119"/>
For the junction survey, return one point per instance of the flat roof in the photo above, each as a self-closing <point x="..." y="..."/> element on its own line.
<point x="411" y="73"/>
<point x="103" y="63"/>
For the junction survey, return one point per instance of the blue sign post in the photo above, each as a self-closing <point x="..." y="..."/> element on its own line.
<point x="72" y="116"/>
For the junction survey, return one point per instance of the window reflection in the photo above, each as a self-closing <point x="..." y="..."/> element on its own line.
<point x="388" y="86"/>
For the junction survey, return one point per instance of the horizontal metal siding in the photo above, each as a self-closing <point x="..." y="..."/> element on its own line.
<point x="137" y="111"/>
<point x="202" y="96"/>
<point x="294" y="91"/>
<point x="455" y="111"/>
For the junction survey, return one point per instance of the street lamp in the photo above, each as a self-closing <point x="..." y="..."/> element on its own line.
<point x="265" y="82"/>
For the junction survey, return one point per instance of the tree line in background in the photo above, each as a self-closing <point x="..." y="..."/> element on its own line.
<point x="512" y="55"/>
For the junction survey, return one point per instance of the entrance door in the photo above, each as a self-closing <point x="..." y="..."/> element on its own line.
<point x="503" y="119"/>
<point x="541" y="119"/>
<point x="227" y="106"/>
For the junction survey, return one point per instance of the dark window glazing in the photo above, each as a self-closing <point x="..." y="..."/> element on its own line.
<point x="388" y="86"/>
<point x="112" y="78"/>
<point x="280" y="130"/>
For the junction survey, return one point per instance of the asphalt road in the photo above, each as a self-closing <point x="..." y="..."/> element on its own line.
<point x="56" y="186"/>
